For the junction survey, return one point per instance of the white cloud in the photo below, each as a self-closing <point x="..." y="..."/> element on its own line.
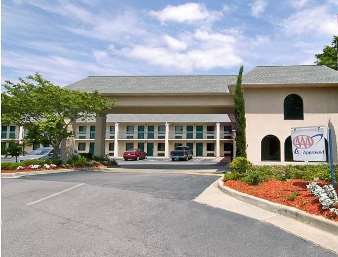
<point x="258" y="7"/>
<point x="189" y="12"/>
<point x="298" y="4"/>
<point x="312" y="20"/>
<point x="174" y="43"/>
<point x="207" y="50"/>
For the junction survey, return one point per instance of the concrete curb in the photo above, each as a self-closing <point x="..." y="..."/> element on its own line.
<point x="313" y="220"/>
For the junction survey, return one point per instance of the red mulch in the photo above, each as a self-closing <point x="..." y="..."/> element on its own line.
<point x="278" y="191"/>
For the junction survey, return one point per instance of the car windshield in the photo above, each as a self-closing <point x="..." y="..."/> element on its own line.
<point x="40" y="151"/>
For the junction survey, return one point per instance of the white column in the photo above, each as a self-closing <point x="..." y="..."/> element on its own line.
<point x="218" y="139"/>
<point x="20" y="136"/>
<point x="166" y="140"/>
<point x="116" y="140"/>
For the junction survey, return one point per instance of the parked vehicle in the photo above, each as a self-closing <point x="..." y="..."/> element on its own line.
<point x="43" y="153"/>
<point x="134" y="155"/>
<point x="181" y="153"/>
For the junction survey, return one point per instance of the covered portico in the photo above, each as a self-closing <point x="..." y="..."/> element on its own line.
<point x="209" y="135"/>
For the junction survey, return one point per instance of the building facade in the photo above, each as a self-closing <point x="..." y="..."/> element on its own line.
<point x="158" y="113"/>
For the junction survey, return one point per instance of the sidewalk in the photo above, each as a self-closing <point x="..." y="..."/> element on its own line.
<point x="214" y="197"/>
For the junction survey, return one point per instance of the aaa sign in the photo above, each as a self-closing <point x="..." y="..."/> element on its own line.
<point x="308" y="144"/>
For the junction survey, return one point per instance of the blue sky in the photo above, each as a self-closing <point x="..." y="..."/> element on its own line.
<point x="68" y="40"/>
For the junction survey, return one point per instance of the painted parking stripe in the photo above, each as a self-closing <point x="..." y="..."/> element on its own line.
<point x="55" y="194"/>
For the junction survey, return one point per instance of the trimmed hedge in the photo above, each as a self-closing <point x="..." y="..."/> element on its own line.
<point x="241" y="169"/>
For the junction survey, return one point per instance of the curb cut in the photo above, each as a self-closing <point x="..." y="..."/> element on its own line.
<point x="316" y="221"/>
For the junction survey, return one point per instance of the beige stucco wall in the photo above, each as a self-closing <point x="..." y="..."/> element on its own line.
<point x="265" y="115"/>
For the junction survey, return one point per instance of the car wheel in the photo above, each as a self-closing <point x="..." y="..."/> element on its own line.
<point x="172" y="159"/>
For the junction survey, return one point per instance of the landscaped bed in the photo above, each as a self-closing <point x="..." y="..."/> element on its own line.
<point x="306" y="187"/>
<point x="292" y="192"/>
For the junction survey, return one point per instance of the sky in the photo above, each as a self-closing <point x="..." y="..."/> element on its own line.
<point x="66" y="41"/>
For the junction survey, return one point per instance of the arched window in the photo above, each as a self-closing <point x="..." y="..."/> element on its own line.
<point x="270" y="148"/>
<point x="293" y="107"/>
<point x="288" y="150"/>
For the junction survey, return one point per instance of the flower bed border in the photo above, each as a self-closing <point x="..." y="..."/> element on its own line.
<point x="302" y="216"/>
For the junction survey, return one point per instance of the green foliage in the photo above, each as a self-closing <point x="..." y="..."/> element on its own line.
<point x="232" y="176"/>
<point x="14" y="150"/>
<point x="14" y="165"/>
<point x="240" y="116"/>
<point x="256" y="175"/>
<point x="329" y="55"/>
<point x="292" y="196"/>
<point x="47" y="110"/>
<point x="79" y="161"/>
<point x="240" y="165"/>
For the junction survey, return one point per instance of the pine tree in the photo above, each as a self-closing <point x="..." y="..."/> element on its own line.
<point x="240" y="117"/>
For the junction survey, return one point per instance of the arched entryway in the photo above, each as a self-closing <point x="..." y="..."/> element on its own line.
<point x="270" y="148"/>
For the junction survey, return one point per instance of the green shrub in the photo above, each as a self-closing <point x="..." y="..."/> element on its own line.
<point x="256" y="175"/>
<point x="232" y="176"/>
<point x="78" y="161"/>
<point x="292" y="196"/>
<point x="240" y="165"/>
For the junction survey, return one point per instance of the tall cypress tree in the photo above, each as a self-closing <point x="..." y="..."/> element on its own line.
<point x="240" y="117"/>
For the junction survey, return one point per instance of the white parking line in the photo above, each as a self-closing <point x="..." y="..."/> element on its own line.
<point x="55" y="194"/>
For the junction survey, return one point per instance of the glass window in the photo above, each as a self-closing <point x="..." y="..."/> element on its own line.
<point x="178" y="131"/>
<point x="129" y="146"/>
<point x="140" y="132"/>
<point x="12" y="132"/>
<point x="130" y="131"/>
<point x="210" y="131"/>
<point x="111" y="146"/>
<point x="81" y="147"/>
<point x="82" y="131"/>
<point x="199" y="132"/>
<point x="293" y="107"/>
<point x="111" y="132"/>
<point x="210" y="147"/>
<point x="150" y="132"/>
<point x="3" y="131"/>
<point x="92" y="132"/>
<point x="161" y="147"/>
<point x="161" y="131"/>
<point x="140" y="147"/>
<point x="190" y="132"/>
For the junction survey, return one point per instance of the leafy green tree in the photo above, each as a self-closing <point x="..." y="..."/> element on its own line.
<point x="47" y="110"/>
<point x="14" y="150"/>
<point x="240" y="116"/>
<point x="329" y="56"/>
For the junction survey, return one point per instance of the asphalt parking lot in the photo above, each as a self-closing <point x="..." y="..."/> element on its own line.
<point x="131" y="214"/>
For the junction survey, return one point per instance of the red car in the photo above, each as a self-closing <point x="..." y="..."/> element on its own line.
<point x="134" y="155"/>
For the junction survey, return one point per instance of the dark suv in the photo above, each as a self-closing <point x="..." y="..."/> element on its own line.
<point x="181" y="153"/>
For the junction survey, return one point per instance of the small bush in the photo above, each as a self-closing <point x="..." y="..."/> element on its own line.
<point x="78" y="161"/>
<point x="292" y="196"/>
<point x="232" y="176"/>
<point x="240" y="165"/>
<point x="254" y="176"/>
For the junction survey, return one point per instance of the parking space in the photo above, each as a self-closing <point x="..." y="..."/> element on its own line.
<point x="131" y="214"/>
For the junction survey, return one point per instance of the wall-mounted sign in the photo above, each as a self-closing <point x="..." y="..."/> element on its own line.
<point x="308" y="144"/>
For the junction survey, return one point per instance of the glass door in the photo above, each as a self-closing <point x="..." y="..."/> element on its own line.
<point x="199" y="149"/>
<point x="150" y="149"/>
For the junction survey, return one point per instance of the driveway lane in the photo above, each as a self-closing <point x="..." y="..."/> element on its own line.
<point x="127" y="215"/>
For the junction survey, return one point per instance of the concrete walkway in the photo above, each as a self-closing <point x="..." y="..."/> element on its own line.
<point x="212" y="196"/>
